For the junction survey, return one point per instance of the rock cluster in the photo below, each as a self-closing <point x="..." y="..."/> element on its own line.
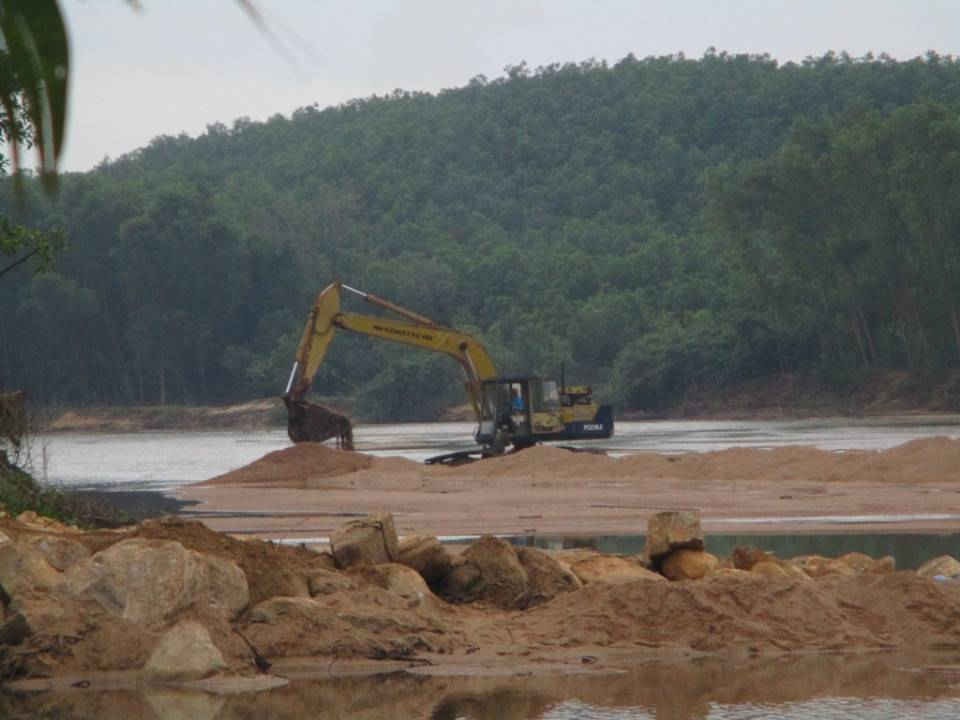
<point x="172" y="601"/>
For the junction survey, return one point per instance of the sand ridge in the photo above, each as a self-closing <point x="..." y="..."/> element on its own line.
<point x="916" y="462"/>
<point x="301" y="491"/>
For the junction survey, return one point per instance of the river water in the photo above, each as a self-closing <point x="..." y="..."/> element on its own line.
<point x="165" y="460"/>
<point x="806" y="687"/>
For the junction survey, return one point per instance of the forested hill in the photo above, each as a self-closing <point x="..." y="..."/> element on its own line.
<point x="653" y="226"/>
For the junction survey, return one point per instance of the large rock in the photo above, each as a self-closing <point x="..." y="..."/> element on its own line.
<point x="669" y="531"/>
<point x="369" y="623"/>
<point x="24" y="568"/>
<point x="883" y="566"/>
<point x="488" y="570"/>
<point x="399" y="579"/>
<point x="944" y="565"/>
<point x="612" y="570"/>
<point x="688" y="565"/>
<point x="427" y="556"/>
<point x="150" y="581"/>
<point x="463" y="583"/>
<point x="546" y="577"/>
<point x="185" y="652"/>
<point x="369" y="541"/>
<point x="61" y="552"/>
<point x="328" y="582"/>
<point x="817" y="566"/>
<point x="276" y="610"/>
<point x="769" y="568"/>
<point x="857" y="561"/>
<point x="744" y="557"/>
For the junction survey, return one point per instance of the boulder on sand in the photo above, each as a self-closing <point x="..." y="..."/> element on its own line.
<point x="426" y="555"/>
<point x="24" y="568"/>
<point x="61" y="552"/>
<point x="744" y="557"/>
<point x="857" y="561"/>
<point x="400" y="579"/>
<point x="546" y="577"/>
<point x="944" y="565"/>
<point x="688" y="565"/>
<point x="668" y="531"/>
<point x="817" y="566"/>
<point x="612" y="570"/>
<point x="882" y="566"/>
<point x="328" y="582"/>
<point x="370" y="541"/>
<point x="488" y="570"/>
<point x="768" y="568"/>
<point x="150" y="581"/>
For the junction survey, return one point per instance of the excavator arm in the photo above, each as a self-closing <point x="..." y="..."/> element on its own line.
<point x="307" y="421"/>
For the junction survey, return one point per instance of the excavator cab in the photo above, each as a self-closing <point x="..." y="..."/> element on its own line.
<point x="515" y="411"/>
<point x="522" y="411"/>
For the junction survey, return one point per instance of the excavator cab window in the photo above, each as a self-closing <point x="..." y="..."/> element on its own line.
<point x="519" y="408"/>
<point x="505" y="407"/>
<point x="546" y="396"/>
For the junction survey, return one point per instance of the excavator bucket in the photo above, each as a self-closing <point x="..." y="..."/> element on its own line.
<point x="309" y="422"/>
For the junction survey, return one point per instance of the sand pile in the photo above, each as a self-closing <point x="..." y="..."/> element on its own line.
<point x="753" y="612"/>
<point x="294" y="467"/>
<point x="919" y="461"/>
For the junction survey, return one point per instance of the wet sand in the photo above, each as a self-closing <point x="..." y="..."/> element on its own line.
<point x="548" y="491"/>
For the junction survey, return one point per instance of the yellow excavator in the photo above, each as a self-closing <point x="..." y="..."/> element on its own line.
<point x="518" y="410"/>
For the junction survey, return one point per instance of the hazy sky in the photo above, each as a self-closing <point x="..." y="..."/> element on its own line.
<point x="179" y="65"/>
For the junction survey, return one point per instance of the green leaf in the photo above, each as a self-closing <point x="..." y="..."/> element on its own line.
<point x="38" y="63"/>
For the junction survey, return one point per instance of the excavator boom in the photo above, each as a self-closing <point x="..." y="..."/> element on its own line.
<point x="311" y="422"/>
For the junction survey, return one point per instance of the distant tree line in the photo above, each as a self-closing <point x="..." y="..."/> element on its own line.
<point x="655" y="226"/>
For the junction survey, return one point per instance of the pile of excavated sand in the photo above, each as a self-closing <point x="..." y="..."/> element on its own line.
<point x="749" y="611"/>
<point x="295" y="466"/>
<point x="918" y="461"/>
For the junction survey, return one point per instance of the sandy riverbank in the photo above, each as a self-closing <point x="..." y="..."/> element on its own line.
<point x="171" y="602"/>
<point x="308" y="490"/>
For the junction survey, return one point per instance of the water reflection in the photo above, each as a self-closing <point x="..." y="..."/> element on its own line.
<point x="802" y="687"/>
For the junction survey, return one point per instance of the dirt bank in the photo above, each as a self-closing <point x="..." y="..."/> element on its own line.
<point x="77" y="603"/>
<point x="257" y="414"/>
<point x="307" y="489"/>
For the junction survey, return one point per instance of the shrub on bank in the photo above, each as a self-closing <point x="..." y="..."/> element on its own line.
<point x="20" y="492"/>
